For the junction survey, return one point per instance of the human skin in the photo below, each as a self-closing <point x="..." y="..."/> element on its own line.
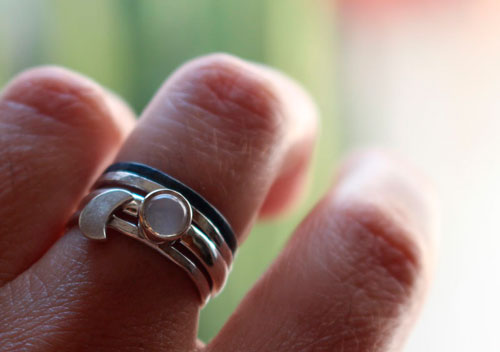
<point x="351" y="278"/>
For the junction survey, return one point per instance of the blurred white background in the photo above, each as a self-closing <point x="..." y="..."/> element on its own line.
<point x="425" y="79"/>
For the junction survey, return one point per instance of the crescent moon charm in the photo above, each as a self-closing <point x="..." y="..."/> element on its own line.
<point x="95" y="216"/>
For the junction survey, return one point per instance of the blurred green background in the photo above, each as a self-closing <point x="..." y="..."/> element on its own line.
<point x="131" y="46"/>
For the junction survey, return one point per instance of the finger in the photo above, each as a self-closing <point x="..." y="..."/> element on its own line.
<point x="353" y="275"/>
<point x="57" y="131"/>
<point x="235" y="123"/>
<point x="224" y="128"/>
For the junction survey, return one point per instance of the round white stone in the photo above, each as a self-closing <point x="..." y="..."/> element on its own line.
<point x="166" y="215"/>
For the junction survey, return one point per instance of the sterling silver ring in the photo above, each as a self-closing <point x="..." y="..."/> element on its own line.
<point x="163" y="213"/>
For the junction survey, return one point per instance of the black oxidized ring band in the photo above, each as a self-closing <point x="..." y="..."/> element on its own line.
<point x="150" y="206"/>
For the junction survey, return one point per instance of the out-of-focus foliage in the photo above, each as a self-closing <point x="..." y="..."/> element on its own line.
<point x="131" y="46"/>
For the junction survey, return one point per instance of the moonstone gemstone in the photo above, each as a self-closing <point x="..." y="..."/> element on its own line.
<point x="166" y="214"/>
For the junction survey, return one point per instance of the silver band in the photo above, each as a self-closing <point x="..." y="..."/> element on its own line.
<point x="164" y="220"/>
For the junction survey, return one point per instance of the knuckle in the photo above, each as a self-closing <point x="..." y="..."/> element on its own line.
<point x="389" y="252"/>
<point x="229" y="92"/>
<point x="60" y="96"/>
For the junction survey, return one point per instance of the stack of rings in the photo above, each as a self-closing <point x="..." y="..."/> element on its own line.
<point x="154" y="208"/>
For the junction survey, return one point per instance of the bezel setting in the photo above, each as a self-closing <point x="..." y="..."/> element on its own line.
<point x="156" y="235"/>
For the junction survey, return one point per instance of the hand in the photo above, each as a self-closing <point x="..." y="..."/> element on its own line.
<point x="350" y="279"/>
